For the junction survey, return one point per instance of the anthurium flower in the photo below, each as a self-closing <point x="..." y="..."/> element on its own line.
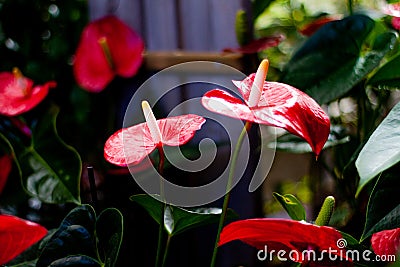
<point x="258" y="45"/>
<point x="312" y="27"/>
<point x="108" y="47"/>
<point x="16" y="235"/>
<point x="298" y="241"/>
<point x="274" y="104"/>
<point x="394" y="11"/>
<point x="386" y="242"/>
<point x="5" y="169"/>
<point x="17" y="93"/>
<point x="131" y="145"/>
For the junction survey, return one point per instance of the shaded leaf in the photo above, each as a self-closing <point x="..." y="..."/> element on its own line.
<point x="109" y="230"/>
<point x="178" y="220"/>
<point x="259" y="6"/>
<point x="383" y="211"/>
<point x="75" y="261"/>
<point x="382" y="149"/>
<point x="388" y="76"/>
<point x="292" y="206"/>
<point x="16" y="235"/>
<point x="329" y="64"/>
<point x="50" y="169"/>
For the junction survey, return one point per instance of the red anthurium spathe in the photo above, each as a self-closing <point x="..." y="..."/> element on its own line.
<point x="386" y="242"/>
<point x="5" y="169"/>
<point x="258" y="45"/>
<point x="394" y="11"/>
<point x="131" y="145"/>
<point x="18" y="95"/>
<point x="298" y="241"/>
<point x="312" y="27"/>
<point x="107" y="47"/>
<point x="16" y="235"/>
<point x="274" y="104"/>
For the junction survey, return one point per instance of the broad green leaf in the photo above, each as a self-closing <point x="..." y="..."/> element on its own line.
<point x="83" y="239"/>
<point x="109" y="230"/>
<point x="76" y="261"/>
<point x="330" y="63"/>
<point x="382" y="149"/>
<point x="383" y="211"/>
<point x="178" y="220"/>
<point x="388" y="76"/>
<point x="294" y="144"/>
<point x="292" y="205"/>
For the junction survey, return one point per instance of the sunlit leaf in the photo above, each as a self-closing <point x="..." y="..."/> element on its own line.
<point x="382" y="149"/>
<point x="178" y="220"/>
<point x="292" y="205"/>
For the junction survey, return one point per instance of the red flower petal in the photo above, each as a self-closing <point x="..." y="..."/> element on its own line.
<point x="312" y="27"/>
<point x="5" y="169"/>
<point x="281" y="105"/>
<point x="92" y="69"/>
<point x="396" y="23"/>
<point x="16" y="235"/>
<point x="386" y="243"/>
<point x="284" y="234"/>
<point x="131" y="145"/>
<point x="17" y="95"/>
<point x="258" y="45"/>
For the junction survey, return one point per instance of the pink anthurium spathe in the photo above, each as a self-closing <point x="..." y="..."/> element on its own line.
<point x="129" y="146"/>
<point x="386" y="242"/>
<point x="258" y="45"/>
<point x="298" y="241"/>
<point x="274" y="104"/>
<point x="394" y="11"/>
<point x="108" y="47"/>
<point x="5" y="169"/>
<point x="16" y="235"/>
<point x="18" y="94"/>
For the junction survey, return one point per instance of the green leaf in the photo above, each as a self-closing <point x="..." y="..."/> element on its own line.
<point x="76" y="261"/>
<point x="388" y="76"/>
<point x="383" y="211"/>
<point x="109" y="230"/>
<point x="259" y="6"/>
<point x="83" y="239"/>
<point x="330" y="63"/>
<point x="382" y="149"/>
<point x="294" y="144"/>
<point x="50" y="170"/>
<point x="178" y="220"/>
<point x="292" y="205"/>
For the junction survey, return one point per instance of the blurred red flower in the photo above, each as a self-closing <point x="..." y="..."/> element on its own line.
<point x="18" y="95"/>
<point x="5" y="169"/>
<point x="312" y="27"/>
<point x="386" y="242"/>
<point x="108" y="47"/>
<point x="16" y="235"/>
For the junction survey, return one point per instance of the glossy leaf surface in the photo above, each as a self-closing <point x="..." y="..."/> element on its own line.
<point x="330" y="62"/>
<point x="16" y="235"/>
<point x="292" y="205"/>
<point x="18" y="95"/>
<point x="383" y="211"/>
<point x="84" y="240"/>
<point x="281" y="105"/>
<point x="50" y="169"/>
<point x="288" y="235"/>
<point x="382" y="149"/>
<point x="386" y="243"/>
<point x="178" y="220"/>
<point x="131" y="145"/>
<point x="388" y="76"/>
<point x="107" y="47"/>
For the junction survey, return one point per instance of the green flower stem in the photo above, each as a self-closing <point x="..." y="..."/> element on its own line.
<point x="235" y="156"/>
<point x="161" y="227"/>
<point x="350" y="6"/>
<point x="166" y="250"/>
